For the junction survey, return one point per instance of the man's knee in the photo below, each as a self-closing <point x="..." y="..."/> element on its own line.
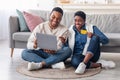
<point x="68" y="50"/>
<point x="25" y="54"/>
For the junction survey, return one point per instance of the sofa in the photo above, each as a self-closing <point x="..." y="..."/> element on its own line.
<point x="109" y="24"/>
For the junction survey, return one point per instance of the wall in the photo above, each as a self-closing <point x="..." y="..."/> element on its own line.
<point x="92" y="6"/>
<point x="95" y="1"/>
<point x="45" y="4"/>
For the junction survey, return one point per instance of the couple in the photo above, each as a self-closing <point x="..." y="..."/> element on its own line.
<point x="81" y="40"/>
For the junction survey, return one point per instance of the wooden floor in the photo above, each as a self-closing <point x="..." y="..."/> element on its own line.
<point x="8" y="66"/>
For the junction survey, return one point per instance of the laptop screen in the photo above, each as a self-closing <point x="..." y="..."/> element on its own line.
<point x="46" y="41"/>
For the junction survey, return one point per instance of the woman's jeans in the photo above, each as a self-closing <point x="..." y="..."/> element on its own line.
<point x="39" y="56"/>
<point x="93" y="47"/>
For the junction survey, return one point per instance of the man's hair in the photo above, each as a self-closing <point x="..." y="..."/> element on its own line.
<point x="81" y="14"/>
<point x="58" y="9"/>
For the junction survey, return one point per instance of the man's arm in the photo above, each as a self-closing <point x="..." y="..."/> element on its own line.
<point x="32" y="42"/>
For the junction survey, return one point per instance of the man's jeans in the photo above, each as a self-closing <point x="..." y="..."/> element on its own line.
<point x="93" y="47"/>
<point x="49" y="59"/>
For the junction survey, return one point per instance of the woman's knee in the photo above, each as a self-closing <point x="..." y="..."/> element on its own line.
<point x="95" y="38"/>
<point x="75" y="62"/>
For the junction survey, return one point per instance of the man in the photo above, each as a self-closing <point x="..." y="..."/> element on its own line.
<point x="84" y="40"/>
<point x="39" y="58"/>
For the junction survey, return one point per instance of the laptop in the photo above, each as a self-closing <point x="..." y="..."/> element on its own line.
<point x="46" y="41"/>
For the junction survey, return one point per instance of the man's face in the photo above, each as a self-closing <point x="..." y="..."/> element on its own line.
<point x="79" y="21"/>
<point x="55" y="18"/>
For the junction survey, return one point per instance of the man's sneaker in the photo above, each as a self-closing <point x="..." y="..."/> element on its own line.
<point x="34" y="66"/>
<point x="107" y="64"/>
<point x="81" y="68"/>
<point x="59" y="65"/>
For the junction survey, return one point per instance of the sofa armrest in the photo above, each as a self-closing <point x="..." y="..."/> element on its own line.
<point x="13" y="27"/>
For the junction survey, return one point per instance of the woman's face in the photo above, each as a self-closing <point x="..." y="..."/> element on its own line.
<point x="78" y="21"/>
<point x="55" y="19"/>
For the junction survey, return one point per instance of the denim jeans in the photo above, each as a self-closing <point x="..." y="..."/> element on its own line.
<point x="93" y="47"/>
<point x="49" y="59"/>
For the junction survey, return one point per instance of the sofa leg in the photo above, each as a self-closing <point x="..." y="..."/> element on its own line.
<point x="12" y="49"/>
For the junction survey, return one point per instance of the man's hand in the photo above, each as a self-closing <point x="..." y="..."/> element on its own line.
<point x="35" y="43"/>
<point x="49" y="51"/>
<point x="63" y="40"/>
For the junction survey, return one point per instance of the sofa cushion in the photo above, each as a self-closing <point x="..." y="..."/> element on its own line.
<point x="107" y="23"/>
<point x="23" y="26"/>
<point x="21" y="36"/>
<point x="32" y="20"/>
<point x="114" y="39"/>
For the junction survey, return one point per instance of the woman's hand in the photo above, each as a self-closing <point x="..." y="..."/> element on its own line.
<point x="89" y="34"/>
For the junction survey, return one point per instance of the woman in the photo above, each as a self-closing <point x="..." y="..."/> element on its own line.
<point x="84" y="40"/>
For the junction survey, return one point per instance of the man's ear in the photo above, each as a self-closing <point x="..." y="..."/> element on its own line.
<point x="50" y="15"/>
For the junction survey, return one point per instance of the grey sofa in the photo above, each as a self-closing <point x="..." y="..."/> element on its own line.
<point x="107" y="23"/>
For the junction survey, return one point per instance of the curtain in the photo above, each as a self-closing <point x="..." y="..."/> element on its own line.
<point x="3" y="25"/>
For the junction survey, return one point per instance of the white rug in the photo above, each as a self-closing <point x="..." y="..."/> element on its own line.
<point x="50" y="73"/>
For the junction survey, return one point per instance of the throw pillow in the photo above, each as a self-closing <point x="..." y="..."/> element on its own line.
<point x="23" y="26"/>
<point x="32" y="20"/>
